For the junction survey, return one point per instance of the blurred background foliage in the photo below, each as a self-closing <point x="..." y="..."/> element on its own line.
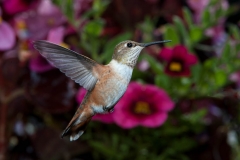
<point x="203" y="81"/>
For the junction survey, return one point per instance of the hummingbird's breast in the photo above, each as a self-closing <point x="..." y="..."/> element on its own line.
<point x="111" y="85"/>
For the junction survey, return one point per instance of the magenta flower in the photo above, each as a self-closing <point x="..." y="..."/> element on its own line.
<point x="235" y="77"/>
<point x="198" y="6"/>
<point x="105" y="118"/>
<point x="46" y="7"/>
<point x="40" y="64"/>
<point x="143" y="65"/>
<point x="142" y="105"/>
<point x="178" y="60"/>
<point x="16" y="6"/>
<point x="81" y="6"/>
<point x="7" y="36"/>
<point x="35" y="24"/>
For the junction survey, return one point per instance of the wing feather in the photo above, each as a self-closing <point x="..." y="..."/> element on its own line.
<point x="76" y="66"/>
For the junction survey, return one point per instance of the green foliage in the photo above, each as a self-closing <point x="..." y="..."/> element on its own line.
<point x="171" y="33"/>
<point x="109" y="46"/>
<point x="165" y="142"/>
<point x="174" y="139"/>
<point x="207" y="77"/>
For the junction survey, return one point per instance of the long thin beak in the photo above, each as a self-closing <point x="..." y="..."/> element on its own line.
<point x="157" y="42"/>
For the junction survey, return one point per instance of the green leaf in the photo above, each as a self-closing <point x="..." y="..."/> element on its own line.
<point x="196" y="72"/>
<point x="110" y="45"/>
<point x="210" y="64"/>
<point x="99" y="6"/>
<point x="183" y="31"/>
<point x="188" y="17"/>
<point x="220" y="78"/>
<point x="154" y="64"/>
<point x="107" y="151"/>
<point x="171" y="34"/>
<point x="94" y="28"/>
<point x="226" y="53"/>
<point x="162" y="81"/>
<point x="69" y="11"/>
<point x="183" y="144"/>
<point x="57" y="2"/>
<point x="234" y="31"/>
<point x="195" y="117"/>
<point x="196" y="33"/>
<point x="206" y="18"/>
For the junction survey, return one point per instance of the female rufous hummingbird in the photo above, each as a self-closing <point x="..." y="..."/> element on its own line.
<point x="105" y="84"/>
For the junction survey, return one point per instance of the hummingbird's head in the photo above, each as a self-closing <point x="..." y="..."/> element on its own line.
<point x="127" y="52"/>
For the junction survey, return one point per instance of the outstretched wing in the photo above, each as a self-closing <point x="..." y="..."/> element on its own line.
<point x="79" y="68"/>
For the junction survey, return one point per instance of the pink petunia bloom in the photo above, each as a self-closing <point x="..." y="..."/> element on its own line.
<point x="143" y="65"/>
<point x="235" y="77"/>
<point x="40" y="64"/>
<point x="46" y="7"/>
<point x="198" y="6"/>
<point x="105" y="118"/>
<point x="81" y="6"/>
<point x="16" y="6"/>
<point x="178" y="60"/>
<point x="7" y="35"/>
<point x="142" y="105"/>
<point x="35" y="24"/>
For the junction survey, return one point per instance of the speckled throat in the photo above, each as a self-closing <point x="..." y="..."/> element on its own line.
<point x="128" y="57"/>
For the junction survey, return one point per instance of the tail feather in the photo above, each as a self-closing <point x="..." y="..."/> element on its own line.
<point x="78" y="123"/>
<point x="74" y="137"/>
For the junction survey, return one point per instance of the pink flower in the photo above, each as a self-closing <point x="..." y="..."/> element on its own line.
<point x="40" y="64"/>
<point x="46" y="7"/>
<point x="7" y="36"/>
<point x="143" y="65"/>
<point x="142" y="105"/>
<point x="198" y="6"/>
<point x="16" y="6"/>
<point x="235" y="77"/>
<point x="105" y="118"/>
<point x="178" y="60"/>
<point x="81" y="6"/>
<point x="35" y="24"/>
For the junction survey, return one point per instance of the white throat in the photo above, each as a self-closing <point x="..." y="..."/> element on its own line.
<point x="122" y="70"/>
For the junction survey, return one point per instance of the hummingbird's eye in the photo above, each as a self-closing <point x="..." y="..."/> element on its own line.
<point x="129" y="45"/>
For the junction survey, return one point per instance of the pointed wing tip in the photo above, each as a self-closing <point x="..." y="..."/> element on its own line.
<point x="65" y="132"/>
<point x="38" y="43"/>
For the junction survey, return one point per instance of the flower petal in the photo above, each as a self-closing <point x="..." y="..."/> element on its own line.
<point x="157" y="100"/>
<point x="185" y="72"/>
<point x="191" y="59"/>
<point x="166" y="54"/>
<point x="105" y="118"/>
<point x="40" y="64"/>
<point x="80" y="94"/>
<point x="181" y="52"/>
<point x="7" y="36"/>
<point x="56" y="35"/>
<point x="155" y="120"/>
<point x="46" y="7"/>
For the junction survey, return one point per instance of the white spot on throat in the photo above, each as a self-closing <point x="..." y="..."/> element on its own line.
<point x="122" y="70"/>
<point x="137" y="48"/>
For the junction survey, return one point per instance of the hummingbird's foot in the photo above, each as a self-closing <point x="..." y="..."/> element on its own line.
<point x="109" y="110"/>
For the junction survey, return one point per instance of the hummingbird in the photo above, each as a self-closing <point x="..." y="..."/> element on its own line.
<point x="105" y="84"/>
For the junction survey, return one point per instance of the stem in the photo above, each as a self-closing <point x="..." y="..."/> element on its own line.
<point x="3" y="116"/>
<point x="4" y="100"/>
